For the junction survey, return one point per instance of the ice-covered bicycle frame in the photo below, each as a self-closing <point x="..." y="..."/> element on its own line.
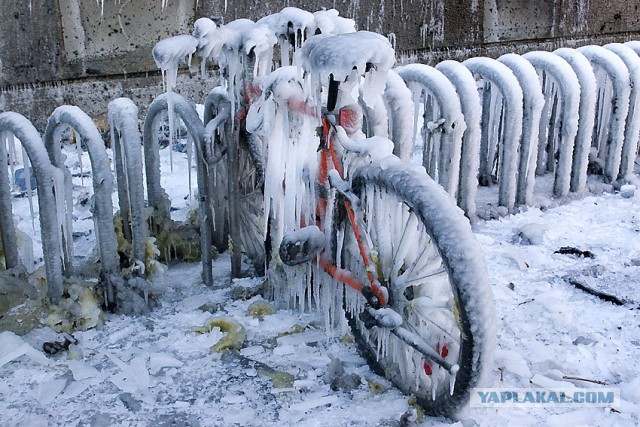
<point x="331" y="175"/>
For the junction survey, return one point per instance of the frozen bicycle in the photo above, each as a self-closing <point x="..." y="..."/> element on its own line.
<point x="340" y="210"/>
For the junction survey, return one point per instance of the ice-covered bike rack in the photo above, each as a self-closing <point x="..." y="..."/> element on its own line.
<point x="532" y="111"/>
<point x="586" y="116"/>
<point x="7" y="227"/>
<point x="562" y="75"/>
<point x="217" y="110"/>
<point x="470" y="105"/>
<point x="612" y="107"/>
<point x="77" y="119"/>
<point x="48" y="177"/>
<point x="399" y="106"/>
<point x="632" y="124"/>
<point x="74" y="117"/>
<point x="158" y="199"/>
<point x="495" y="114"/>
<point x="443" y="125"/>
<point x="126" y="140"/>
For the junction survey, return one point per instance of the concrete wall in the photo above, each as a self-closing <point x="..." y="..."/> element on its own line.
<point x="72" y="51"/>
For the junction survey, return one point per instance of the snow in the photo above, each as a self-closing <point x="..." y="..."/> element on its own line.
<point x="290" y="21"/>
<point x="211" y="40"/>
<point x="329" y="22"/>
<point x="14" y="347"/>
<point x="153" y="369"/>
<point x="168" y="54"/>
<point x="376" y="147"/>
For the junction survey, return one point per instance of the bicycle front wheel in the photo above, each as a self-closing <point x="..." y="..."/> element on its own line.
<point x="428" y="259"/>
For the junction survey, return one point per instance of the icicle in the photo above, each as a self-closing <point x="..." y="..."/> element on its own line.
<point x="452" y="378"/>
<point x="11" y="150"/>
<point x="434" y="381"/>
<point x="59" y="189"/>
<point x="392" y="39"/>
<point x="78" y="143"/>
<point x="27" y="185"/>
<point x="189" y="156"/>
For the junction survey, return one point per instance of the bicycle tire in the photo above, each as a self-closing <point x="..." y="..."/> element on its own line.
<point x="451" y="289"/>
<point x="251" y="178"/>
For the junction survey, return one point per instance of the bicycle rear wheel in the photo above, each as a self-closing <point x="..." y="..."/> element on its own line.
<point x="251" y="203"/>
<point x="427" y="257"/>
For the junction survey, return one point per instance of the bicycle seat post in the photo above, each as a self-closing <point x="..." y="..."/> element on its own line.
<point x="332" y="96"/>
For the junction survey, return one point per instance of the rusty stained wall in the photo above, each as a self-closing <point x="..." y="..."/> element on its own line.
<point x="66" y="51"/>
<point x="30" y="41"/>
<point x="520" y="26"/>
<point x="508" y="20"/>
<point x="55" y="52"/>
<point x="52" y="40"/>
<point x="415" y="23"/>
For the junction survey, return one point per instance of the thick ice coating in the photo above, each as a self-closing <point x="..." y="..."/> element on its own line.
<point x="329" y="22"/>
<point x="289" y="20"/>
<point x="367" y="53"/>
<point x="169" y="52"/>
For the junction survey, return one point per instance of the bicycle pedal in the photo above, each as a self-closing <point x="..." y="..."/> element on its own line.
<point x="302" y="245"/>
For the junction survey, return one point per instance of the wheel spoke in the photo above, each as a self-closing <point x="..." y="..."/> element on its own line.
<point x="403" y="247"/>
<point x="423" y="278"/>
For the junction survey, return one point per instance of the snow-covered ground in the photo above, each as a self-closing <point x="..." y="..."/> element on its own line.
<point x="155" y="370"/>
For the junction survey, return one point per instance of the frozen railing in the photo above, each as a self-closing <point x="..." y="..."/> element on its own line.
<point x="126" y="141"/>
<point x="399" y="106"/>
<point x="562" y="95"/>
<point x="612" y="107"/>
<point x="533" y="102"/>
<point x="50" y="184"/>
<point x="586" y="116"/>
<point x="206" y="156"/>
<point x="542" y="113"/>
<point x="72" y="116"/>
<point x="444" y="123"/>
<point x="467" y="91"/>
<point x="632" y="123"/>
<point x="122" y="293"/>
<point x="502" y="115"/>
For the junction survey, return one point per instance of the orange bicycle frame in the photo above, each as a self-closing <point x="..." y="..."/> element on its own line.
<point x="330" y="159"/>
